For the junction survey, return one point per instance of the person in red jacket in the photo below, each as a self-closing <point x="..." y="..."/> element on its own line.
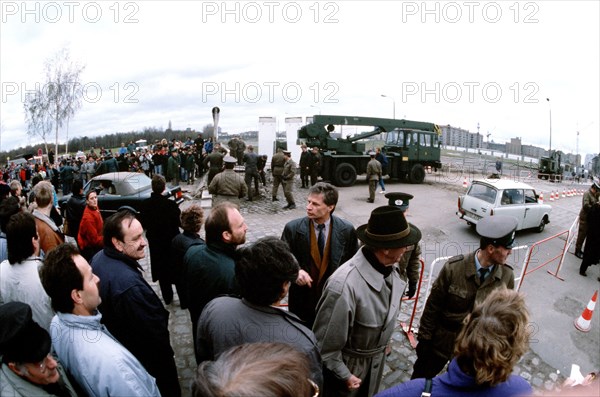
<point x="90" y="239"/>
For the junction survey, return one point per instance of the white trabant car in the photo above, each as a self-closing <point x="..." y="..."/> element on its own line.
<point x="502" y="196"/>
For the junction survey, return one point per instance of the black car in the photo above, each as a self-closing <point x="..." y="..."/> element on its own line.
<point x="117" y="189"/>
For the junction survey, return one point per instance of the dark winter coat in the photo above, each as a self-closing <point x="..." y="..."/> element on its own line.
<point x="343" y="245"/>
<point x="160" y="218"/>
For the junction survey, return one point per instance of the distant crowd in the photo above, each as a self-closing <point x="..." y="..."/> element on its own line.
<point x="152" y="159"/>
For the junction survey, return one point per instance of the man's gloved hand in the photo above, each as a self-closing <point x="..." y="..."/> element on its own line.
<point x="412" y="289"/>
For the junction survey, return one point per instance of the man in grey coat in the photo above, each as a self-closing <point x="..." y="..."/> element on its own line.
<point x="264" y="271"/>
<point x="360" y="303"/>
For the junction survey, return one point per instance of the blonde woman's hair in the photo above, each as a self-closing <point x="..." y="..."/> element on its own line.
<point x="494" y="337"/>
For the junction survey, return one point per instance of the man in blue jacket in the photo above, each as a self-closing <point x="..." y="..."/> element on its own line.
<point x="130" y="309"/>
<point x="96" y="360"/>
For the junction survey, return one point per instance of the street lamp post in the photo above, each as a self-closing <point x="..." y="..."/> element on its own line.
<point x="550" y="110"/>
<point x="394" y="101"/>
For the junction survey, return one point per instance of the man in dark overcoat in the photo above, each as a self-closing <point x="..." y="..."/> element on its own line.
<point x="160" y="218"/>
<point x="339" y="244"/>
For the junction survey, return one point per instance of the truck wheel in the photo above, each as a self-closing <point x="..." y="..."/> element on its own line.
<point x="417" y="174"/>
<point x="345" y="175"/>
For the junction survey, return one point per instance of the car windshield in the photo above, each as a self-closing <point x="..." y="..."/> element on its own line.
<point x="483" y="192"/>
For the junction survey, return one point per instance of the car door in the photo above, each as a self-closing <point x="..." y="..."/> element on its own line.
<point x="512" y="203"/>
<point x="533" y="211"/>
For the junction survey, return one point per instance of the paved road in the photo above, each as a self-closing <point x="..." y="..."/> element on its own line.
<point x="554" y="304"/>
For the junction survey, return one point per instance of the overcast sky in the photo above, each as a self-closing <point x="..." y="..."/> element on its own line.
<point x="458" y="63"/>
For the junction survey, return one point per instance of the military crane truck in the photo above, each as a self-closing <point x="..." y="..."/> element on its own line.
<point x="410" y="146"/>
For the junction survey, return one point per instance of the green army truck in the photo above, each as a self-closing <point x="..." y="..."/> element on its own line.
<point x="550" y="167"/>
<point x="411" y="147"/>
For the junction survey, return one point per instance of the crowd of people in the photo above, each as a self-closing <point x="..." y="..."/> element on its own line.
<point x="78" y="318"/>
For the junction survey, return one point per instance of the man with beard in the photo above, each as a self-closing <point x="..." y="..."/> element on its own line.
<point x="130" y="309"/>
<point x="209" y="270"/>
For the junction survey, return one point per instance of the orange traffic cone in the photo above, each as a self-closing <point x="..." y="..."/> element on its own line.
<point x="584" y="322"/>
<point x="557" y="195"/>
<point x="551" y="196"/>
<point x="563" y="193"/>
<point x="541" y="198"/>
<point x="465" y="183"/>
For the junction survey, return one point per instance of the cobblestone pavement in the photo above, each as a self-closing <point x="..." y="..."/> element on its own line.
<point x="267" y="218"/>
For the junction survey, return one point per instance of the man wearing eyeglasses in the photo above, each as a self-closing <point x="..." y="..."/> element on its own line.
<point x="27" y="367"/>
<point x="96" y="360"/>
<point x="131" y="310"/>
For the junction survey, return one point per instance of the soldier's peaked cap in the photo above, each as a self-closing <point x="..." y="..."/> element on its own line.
<point x="498" y="230"/>
<point x="399" y="199"/>
<point x="229" y="159"/>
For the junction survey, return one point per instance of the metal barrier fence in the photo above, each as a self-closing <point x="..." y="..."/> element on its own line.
<point x="568" y="241"/>
<point x="408" y="328"/>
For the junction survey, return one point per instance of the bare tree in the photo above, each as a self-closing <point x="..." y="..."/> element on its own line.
<point x="63" y="90"/>
<point x="38" y="119"/>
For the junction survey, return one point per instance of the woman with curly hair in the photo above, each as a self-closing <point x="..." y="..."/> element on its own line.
<point x="493" y="339"/>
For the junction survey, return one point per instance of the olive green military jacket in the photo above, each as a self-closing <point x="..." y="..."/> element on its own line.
<point x="289" y="170"/>
<point x="277" y="163"/>
<point x="409" y="265"/>
<point x="374" y="170"/>
<point x="453" y="296"/>
<point x="227" y="186"/>
<point x="587" y="201"/>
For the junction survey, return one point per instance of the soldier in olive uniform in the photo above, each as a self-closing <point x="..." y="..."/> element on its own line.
<point x="463" y="282"/>
<point x="277" y="163"/>
<point x="289" y="172"/>
<point x="214" y="163"/>
<point x="315" y="165"/>
<point x="374" y="172"/>
<point x="589" y="199"/>
<point x="410" y="264"/>
<point x="227" y="185"/>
